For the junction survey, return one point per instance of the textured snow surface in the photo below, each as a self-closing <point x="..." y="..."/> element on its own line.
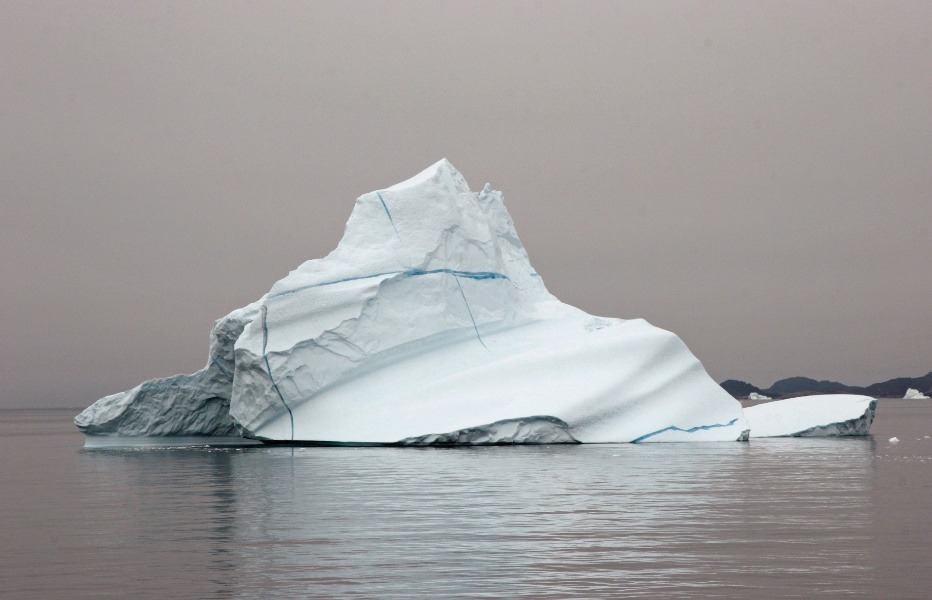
<point x="428" y="325"/>
<point x="532" y="430"/>
<point x="182" y="405"/>
<point x="912" y="394"/>
<point x="812" y="416"/>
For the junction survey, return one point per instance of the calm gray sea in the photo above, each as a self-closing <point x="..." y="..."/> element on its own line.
<point x="767" y="519"/>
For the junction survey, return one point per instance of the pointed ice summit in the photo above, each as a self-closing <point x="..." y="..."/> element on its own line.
<point x="427" y="325"/>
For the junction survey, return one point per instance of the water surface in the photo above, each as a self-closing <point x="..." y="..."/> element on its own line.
<point x="771" y="518"/>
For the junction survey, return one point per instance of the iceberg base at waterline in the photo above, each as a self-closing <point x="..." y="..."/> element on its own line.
<point x="602" y="380"/>
<point x="426" y="325"/>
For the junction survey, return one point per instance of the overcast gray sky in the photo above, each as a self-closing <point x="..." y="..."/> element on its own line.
<point x="756" y="177"/>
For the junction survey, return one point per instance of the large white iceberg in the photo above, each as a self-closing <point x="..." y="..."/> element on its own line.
<point x="914" y="394"/>
<point x="428" y="325"/>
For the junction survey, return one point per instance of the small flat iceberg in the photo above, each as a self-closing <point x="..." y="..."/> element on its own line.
<point x="756" y="396"/>
<point x="812" y="416"/>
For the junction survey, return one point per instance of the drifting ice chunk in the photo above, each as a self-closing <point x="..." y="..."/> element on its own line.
<point x="812" y="416"/>
<point x="756" y="396"/>
<point x="912" y="394"/>
<point x="429" y="318"/>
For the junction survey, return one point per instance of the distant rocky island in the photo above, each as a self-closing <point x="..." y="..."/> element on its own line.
<point x="804" y="386"/>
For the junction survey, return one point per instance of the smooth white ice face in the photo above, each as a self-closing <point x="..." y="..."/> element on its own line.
<point x="812" y="416"/>
<point x="428" y="318"/>
<point x="609" y="380"/>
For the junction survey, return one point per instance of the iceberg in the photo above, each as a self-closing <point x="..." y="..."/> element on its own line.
<point x="756" y="396"/>
<point x="913" y="394"/>
<point x="812" y="416"/>
<point x="427" y="325"/>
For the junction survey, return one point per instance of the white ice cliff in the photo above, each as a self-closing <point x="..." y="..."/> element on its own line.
<point x="427" y="325"/>
<point x="812" y="416"/>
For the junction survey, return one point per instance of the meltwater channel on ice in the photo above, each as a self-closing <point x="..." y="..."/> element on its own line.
<point x="427" y="325"/>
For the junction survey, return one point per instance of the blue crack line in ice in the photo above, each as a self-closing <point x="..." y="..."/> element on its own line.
<point x="388" y="212"/>
<point x="406" y="273"/>
<point x="216" y="362"/>
<point x="265" y="340"/>
<point x="469" y="310"/>
<point x="454" y="272"/>
<point x="477" y="275"/>
<point x="690" y="430"/>
<point x="324" y="283"/>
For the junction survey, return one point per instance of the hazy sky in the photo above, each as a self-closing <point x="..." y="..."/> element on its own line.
<point x="756" y="177"/>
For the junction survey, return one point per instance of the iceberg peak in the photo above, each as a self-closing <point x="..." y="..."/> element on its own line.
<point x="429" y="173"/>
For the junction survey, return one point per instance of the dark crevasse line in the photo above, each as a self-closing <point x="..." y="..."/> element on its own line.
<point x="406" y="272"/>
<point x="466" y="274"/>
<point x="469" y="310"/>
<point x="326" y="283"/>
<point x="268" y="367"/>
<point x="397" y="235"/>
<point x="388" y="212"/>
<point x="690" y="430"/>
<point x="216" y="362"/>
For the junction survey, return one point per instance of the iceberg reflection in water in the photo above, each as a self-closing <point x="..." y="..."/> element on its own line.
<point x="777" y="517"/>
<point x="543" y="521"/>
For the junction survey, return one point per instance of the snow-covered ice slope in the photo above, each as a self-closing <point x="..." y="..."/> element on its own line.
<point x="812" y="416"/>
<point x="429" y="319"/>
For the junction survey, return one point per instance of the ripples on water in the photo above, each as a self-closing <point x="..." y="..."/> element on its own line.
<point x="777" y="518"/>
